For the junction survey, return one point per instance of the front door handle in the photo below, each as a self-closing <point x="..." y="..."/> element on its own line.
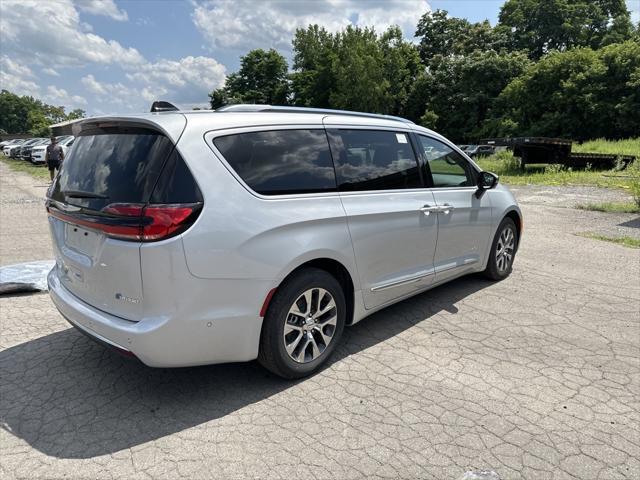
<point x="427" y="209"/>
<point x="445" y="209"/>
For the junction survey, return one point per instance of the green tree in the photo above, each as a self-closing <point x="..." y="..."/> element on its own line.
<point x="401" y="64"/>
<point x="354" y="69"/>
<point x="460" y="92"/>
<point x="76" y="114"/>
<point x="539" y="26"/>
<point x="312" y="79"/>
<point x="444" y="36"/>
<point x="358" y="68"/>
<point x="579" y="94"/>
<point x="262" y="78"/>
<point x="29" y="115"/>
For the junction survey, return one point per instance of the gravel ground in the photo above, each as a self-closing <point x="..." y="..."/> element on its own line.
<point x="608" y="224"/>
<point x="535" y="377"/>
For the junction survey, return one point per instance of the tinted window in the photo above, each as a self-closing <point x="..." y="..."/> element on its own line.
<point x="373" y="160"/>
<point x="448" y="167"/>
<point x="280" y="161"/>
<point x="120" y="164"/>
<point x="176" y="183"/>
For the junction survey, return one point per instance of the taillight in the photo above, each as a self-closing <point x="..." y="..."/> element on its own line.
<point x="137" y="222"/>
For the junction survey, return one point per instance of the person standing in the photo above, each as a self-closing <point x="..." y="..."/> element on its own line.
<point x="54" y="157"/>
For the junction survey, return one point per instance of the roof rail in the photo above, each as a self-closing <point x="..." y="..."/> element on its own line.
<point x="284" y="109"/>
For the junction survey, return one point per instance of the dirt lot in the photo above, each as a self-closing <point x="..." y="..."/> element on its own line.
<point x="535" y="377"/>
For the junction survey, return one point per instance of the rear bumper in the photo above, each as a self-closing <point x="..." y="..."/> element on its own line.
<point x="163" y="341"/>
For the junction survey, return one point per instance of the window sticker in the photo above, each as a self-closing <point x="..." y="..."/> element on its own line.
<point x="401" y="137"/>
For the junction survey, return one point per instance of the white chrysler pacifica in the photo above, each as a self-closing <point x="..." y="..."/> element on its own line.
<point x="191" y="238"/>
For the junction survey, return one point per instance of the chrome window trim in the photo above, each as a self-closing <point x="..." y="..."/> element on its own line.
<point x="211" y="135"/>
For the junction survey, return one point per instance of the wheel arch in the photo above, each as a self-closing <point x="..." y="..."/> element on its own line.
<point x="335" y="268"/>
<point x="516" y="216"/>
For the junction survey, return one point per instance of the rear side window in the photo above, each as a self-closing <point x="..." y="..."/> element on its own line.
<point x="176" y="183"/>
<point x="280" y="161"/>
<point x="373" y="160"/>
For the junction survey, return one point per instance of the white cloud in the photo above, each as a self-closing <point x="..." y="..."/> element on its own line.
<point x="111" y="92"/>
<point x="107" y="8"/>
<point x="246" y="24"/>
<point x="20" y="79"/>
<point x="50" y="71"/>
<point x="17" y="78"/>
<point x="59" y="96"/>
<point x="51" y="33"/>
<point x="187" y="80"/>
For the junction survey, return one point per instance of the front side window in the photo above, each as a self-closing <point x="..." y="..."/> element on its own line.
<point x="280" y="161"/>
<point x="373" y="160"/>
<point x="448" y="168"/>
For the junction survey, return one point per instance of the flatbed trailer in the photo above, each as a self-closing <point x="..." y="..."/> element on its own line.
<point x="555" y="150"/>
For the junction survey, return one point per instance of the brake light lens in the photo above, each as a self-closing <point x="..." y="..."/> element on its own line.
<point x="137" y="222"/>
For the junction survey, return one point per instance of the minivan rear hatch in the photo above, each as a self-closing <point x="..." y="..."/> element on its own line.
<point x="123" y="184"/>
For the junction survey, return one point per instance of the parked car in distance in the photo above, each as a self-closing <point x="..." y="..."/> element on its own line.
<point x="13" y="141"/>
<point x="480" y="150"/>
<point x="17" y="151"/>
<point x="38" y="153"/>
<point x="25" y="150"/>
<point x="192" y="238"/>
<point x="10" y="149"/>
<point x="463" y="147"/>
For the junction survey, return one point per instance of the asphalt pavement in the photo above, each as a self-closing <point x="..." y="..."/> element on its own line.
<point x="535" y="377"/>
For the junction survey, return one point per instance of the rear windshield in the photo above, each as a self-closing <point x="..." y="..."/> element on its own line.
<point x="117" y="164"/>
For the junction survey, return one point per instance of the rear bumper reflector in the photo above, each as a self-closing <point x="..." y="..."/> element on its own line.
<point x="267" y="300"/>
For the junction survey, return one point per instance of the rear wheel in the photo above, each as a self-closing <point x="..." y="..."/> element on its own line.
<point x="503" y="251"/>
<point x="303" y="324"/>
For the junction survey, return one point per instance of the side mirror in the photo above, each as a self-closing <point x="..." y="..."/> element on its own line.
<point x="486" y="181"/>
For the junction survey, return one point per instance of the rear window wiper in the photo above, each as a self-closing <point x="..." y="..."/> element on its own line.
<point x="81" y="194"/>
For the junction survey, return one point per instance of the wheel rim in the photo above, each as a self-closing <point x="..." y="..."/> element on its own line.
<point x="310" y="325"/>
<point x="505" y="249"/>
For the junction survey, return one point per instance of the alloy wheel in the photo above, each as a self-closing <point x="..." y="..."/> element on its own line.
<point x="505" y="249"/>
<point x="310" y="325"/>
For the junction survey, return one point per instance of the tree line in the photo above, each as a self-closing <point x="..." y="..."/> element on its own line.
<point x="25" y="114"/>
<point x="562" y="68"/>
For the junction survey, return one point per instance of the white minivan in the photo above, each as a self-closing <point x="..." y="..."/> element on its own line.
<point x="191" y="238"/>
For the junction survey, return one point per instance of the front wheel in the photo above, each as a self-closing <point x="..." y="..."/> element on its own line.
<point x="303" y="324"/>
<point x="503" y="251"/>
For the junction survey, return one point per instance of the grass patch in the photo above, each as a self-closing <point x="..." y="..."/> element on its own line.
<point x="19" y="165"/>
<point x="610" y="207"/>
<point x="629" y="146"/>
<point x="507" y="167"/>
<point x="624" y="241"/>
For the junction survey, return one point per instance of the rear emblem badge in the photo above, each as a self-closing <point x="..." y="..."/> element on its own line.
<point x="124" y="298"/>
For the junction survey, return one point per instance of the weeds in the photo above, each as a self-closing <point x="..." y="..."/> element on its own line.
<point x="624" y="241"/>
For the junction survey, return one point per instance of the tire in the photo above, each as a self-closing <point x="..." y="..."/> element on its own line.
<point x="290" y="307"/>
<point x="497" y="268"/>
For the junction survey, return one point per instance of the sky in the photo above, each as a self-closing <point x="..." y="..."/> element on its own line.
<point x="118" y="56"/>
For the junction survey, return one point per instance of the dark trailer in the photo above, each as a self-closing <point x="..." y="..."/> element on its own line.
<point x="555" y="150"/>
